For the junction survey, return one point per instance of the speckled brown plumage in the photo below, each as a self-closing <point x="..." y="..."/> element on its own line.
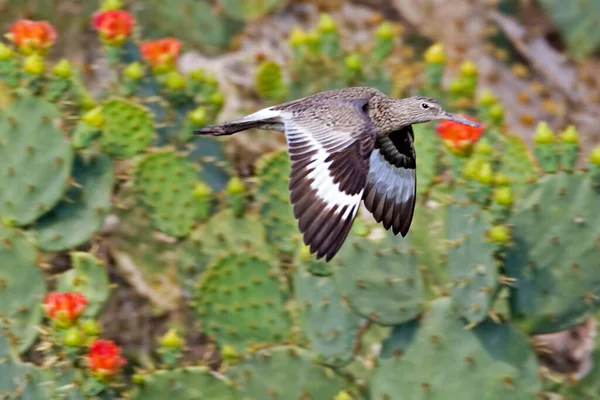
<point x="347" y="146"/>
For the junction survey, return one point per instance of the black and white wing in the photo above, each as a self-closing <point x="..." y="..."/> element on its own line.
<point x="390" y="193"/>
<point x="329" y="147"/>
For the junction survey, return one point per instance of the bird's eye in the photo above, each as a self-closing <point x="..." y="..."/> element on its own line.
<point x="424" y="105"/>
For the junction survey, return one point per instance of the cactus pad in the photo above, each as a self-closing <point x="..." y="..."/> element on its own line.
<point x="518" y="163"/>
<point x="184" y="383"/>
<point x="246" y="10"/>
<point x="380" y="279"/>
<point x="22" y="286"/>
<point x="18" y="380"/>
<point x="128" y="128"/>
<point x="35" y="159"/>
<point x="285" y="372"/>
<point x="75" y="219"/>
<point x="427" y="145"/>
<point x="88" y="277"/>
<point x="241" y="301"/>
<point x="269" y="81"/>
<point x="328" y="322"/>
<point x="470" y="260"/>
<point x="166" y="183"/>
<point x="437" y="359"/>
<point x="555" y="252"/>
<point x="273" y="197"/>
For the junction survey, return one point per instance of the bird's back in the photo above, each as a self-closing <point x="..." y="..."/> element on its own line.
<point x="351" y="93"/>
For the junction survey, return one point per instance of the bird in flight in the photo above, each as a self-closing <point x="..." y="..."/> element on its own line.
<point x="346" y="146"/>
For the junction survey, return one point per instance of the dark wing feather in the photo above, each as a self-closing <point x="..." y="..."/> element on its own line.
<point x="390" y="193"/>
<point x="329" y="146"/>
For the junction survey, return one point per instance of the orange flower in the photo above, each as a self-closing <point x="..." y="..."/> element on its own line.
<point x="457" y="136"/>
<point x="32" y="36"/>
<point x="161" y="53"/>
<point x="64" y="308"/>
<point x="104" y="359"/>
<point x="114" y="26"/>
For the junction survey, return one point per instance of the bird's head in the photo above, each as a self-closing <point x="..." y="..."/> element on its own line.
<point x="421" y="109"/>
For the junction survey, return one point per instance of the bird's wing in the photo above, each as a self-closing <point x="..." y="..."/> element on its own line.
<point x="390" y="193"/>
<point x="329" y="146"/>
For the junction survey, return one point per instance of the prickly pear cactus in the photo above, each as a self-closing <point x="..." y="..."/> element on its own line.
<point x="184" y="383"/>
<point x="247" y="10"/>
<point x="269" y="81"/>
<point x="380" y="279"/>
<point x="22" y="286"/>
<point x="128" y="128"/>
<point x="87" y="202"/>
<point x="166" y="183"/>
<point x="427" y="146"/>
<point x="431" y="358"/>
<point x="470" y="260"/>
<point x="329" y="324"/>
<point x="35" y="159"/>
<point x="241" y="301"/>
<point x="88" y="277"/>
<point x="554" y="253"/>
<point x="273" y="197"/>
<point x="18" y="380"/>
<point x="518" y="163"/>
<point x="285" y="372"/>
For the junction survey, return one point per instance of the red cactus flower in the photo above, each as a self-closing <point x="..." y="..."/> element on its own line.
<point x="32" y="36"/>
<point x="64" y="308"/>
<point x="458" y="136"/>
<point x="114" y="26"/>
<point x="104" y="359"/>
<point x="161" y="53"/>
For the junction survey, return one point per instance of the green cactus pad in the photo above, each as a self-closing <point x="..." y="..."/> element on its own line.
<point x="380" y="280"/>
<point x="285" y="372"/>
<point x="269" y="81"/>
<point x="427" y="234"/>
<point x="22" y="286"/>
<point x="128" y="128"/>
<point x="437" y="359"/>
<point x="427" y="146"/>
<point x="518" y="163"/>
<point x="241" y="301"/>
<point x="555" y="252"/>
<point x="166" y="183"/>
<point x="35" y="159"/>
<point x="273" y="196"/>
<point x="184" y="383"/>
<point x="18" y="380"/>
<point x="87" y="202"/>
<point x="88" y="277"/>
<point x="328" y="322"/>
<point x="221" y="234"/>
<point x="246" y="10"/>
<point x="470" y="260"/>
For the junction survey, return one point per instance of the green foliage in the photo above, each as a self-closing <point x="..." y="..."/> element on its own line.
<point x="379" y="279"/>
<point x="330" y="325"/>
<point x="17" y="379"/>
<point x="241" y="301"/>
<point x="184" y="383"/>
<point x="166" y="183"/>
<point x="88" y="277"/>
<point x="285" y="372"/>
<point x="470" y="260"/>
<point x="575" y="21"/>
<point x="245" y="10"/>
<point x="22" y="286"/>
<point x="430" y="360"/>
<point x="554" y="253"/>
<point x="82" y="211"/>
<point x="35" y="159"/>
<point x="128" y="128"/>
<point x="273" y="198"/>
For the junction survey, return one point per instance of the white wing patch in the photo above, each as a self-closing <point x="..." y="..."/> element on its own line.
<point x="322" y="180"/>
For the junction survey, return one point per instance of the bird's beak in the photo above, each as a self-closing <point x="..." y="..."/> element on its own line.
<point x="460" y="120"/>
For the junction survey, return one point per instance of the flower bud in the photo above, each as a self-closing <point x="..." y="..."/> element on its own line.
<point x="134" y="71"/>
<point x="543" y="134"/>
<point x="435" y="54"/>
<point x="34" y="64"/>
<point x="63" y="69"/>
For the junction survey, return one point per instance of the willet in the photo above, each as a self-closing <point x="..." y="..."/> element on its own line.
<point x="347" y="145"/>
